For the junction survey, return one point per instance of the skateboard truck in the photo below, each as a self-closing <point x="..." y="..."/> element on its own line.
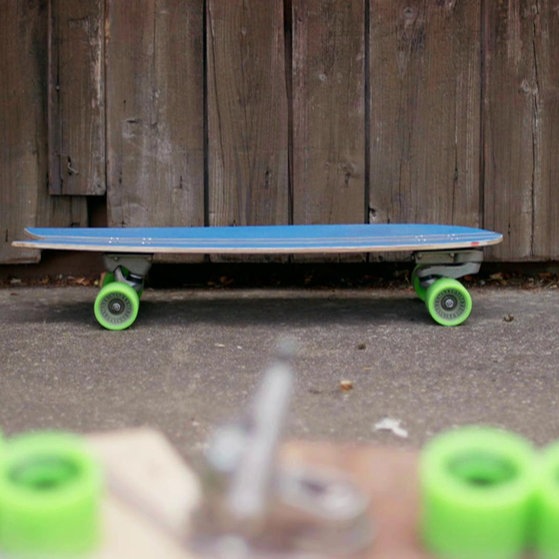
<point x="449" y="264"/>
<point x="255" y="508"/>
<point x="137" y="266"/>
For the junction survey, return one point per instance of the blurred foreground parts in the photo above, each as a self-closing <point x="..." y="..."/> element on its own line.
<point x="255" y="506"/>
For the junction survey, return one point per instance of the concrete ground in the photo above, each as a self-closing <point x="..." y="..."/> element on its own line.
<point x="194" y="358"/>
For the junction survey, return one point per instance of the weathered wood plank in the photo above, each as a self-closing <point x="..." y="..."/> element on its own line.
<point x="22" y="129"/>
<point x="247" y="113"/>
<point x="23" y="132"/>
<point x="521" y="133"/>
<point x="76" y="97"/>
<point x="425" y="111"/>
<point x="155" y="126"/>
<point x="545" y="16"/>
<point x="328" y="111"/>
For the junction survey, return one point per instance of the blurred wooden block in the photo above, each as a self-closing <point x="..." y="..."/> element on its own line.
<point x="152" y="493"/>
<point x="390" y="477"/>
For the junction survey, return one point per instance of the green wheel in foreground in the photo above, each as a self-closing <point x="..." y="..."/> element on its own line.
<point x="477" y="488"/>
<point x="50" y="497"/>
<point x="448" y="302"/>
<point x="547" y="511"/>
<point x="116" y="306"/>
<point x="420" y="291"/>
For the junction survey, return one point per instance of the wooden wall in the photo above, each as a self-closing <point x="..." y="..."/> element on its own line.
<point x="227" y="112"/>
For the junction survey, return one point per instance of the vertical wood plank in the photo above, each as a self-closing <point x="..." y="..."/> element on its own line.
<point x="23" y="132"/>
<point x="545" y="14"/>
<point x="155" y="126"/>
<point x="521" y="126"/>
<point x="22" y="129"/>
<point x="247" y="113"/>
<point x="328" y="111"/>
<point x="76" y="111"/>
<point x="425" y="111"/>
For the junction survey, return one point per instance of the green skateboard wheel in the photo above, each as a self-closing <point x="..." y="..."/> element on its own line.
<point x="448" y="302"/>
<point x="116" y="306"/>
<point x="420" y="291"/>
<point x="547" y="505"/>
<point x="50" y="494"/>
<point x="477" y="487"/>
<point x="108" y="277"/>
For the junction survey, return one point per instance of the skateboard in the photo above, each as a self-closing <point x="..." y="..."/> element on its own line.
<point x="442" y="254"/>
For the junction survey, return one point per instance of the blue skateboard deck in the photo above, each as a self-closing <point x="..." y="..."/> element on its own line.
<point x="442" y="254"/>
<point x="275" y="239"/>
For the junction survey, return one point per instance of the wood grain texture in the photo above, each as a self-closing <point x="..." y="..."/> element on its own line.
<point x="232" y="112"/>
<point x="545" y="18"/>
<point x="23" y="132"/>
<point x="521" y="116"/>
<point x="76" y="97"/>
<point x="247" y="113"/>
<point x="328" y="111"/>
<point x="425" y="111"/>
<point x="155" y="113"/>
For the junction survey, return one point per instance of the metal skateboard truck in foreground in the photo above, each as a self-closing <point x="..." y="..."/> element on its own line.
<point x="258" y="507"/>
